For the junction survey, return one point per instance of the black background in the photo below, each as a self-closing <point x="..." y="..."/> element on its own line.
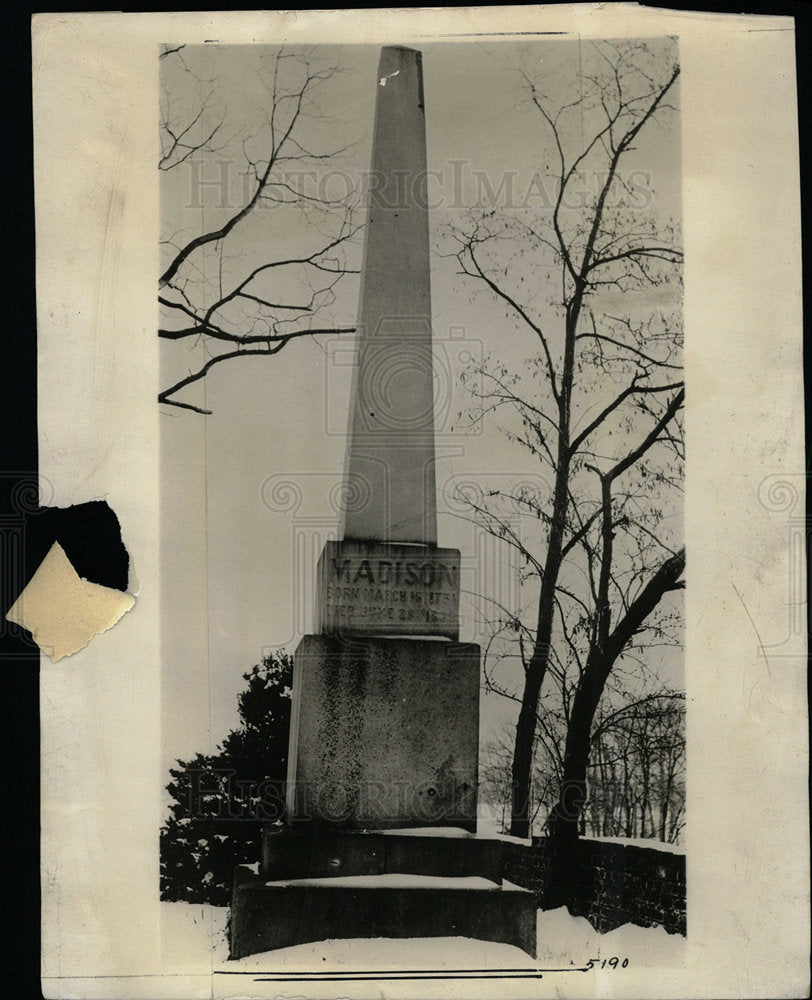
<point x="20" y="909"/>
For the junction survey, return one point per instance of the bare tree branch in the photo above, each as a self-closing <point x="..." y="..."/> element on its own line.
<point x="242" y="300"/>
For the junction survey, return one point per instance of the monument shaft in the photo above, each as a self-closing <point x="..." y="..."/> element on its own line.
<point x="390" y="455"/>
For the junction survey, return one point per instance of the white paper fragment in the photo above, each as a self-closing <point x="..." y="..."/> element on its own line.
<point x="62" y="611"/>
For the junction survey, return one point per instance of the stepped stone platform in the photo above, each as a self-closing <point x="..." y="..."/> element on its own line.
<point x="313" y="886"/>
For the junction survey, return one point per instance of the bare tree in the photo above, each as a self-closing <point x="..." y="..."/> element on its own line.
<point x="495" y="779"/>
<point x="636" y="771"/>
<point x="259" y="267"/>
<point x="510" y="639"/>
<point x="636" y="774"/>
<point x="596" y="285"/>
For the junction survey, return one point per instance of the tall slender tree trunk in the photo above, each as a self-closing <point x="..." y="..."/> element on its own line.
<point x="626" y="827"/>
<point x="537" y="667"/>
<point x="565" y="816"/>
<point x="572" y="794"/>
<point x="644" y="803"/>
<point x="600" y="662"/>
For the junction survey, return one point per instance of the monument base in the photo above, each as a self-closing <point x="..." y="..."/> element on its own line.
<point x="379" y="885"/>
<point x="384" y="733"/>
<point x="328" y="853"/>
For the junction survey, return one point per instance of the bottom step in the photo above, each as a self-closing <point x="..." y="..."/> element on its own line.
<point x="266" y="916"/>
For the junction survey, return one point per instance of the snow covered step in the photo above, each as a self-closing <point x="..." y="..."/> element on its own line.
<point x="395" y="880"/>
<point x="296" y="854"/>
<point x="288" y="912"/>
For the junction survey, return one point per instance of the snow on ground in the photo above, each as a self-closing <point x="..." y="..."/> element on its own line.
<point x="388" y="954"/>
<point x="527" y="841"/>
<point x="195" y="939"/>
<point x="563" y="938"/>
<point x="194" y="936"/>
<point x="489" y="826"/>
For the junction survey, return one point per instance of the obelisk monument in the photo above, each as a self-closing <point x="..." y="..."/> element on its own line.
<point x="384" y="728"/>
<point x="390" y="450"/>
<point x="385" y="703"/>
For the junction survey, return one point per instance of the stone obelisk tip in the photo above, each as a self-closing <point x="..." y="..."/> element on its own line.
<point x="390" y="451"/>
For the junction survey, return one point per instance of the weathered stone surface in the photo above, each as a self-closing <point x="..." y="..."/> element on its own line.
<point x="326" y="853"/>
<point x="384" y="733"/>
<point x="375" y="588"/>
<point x="390" y="453"/>
<point x="264" y="917"/>
<point x="320" y="853"/>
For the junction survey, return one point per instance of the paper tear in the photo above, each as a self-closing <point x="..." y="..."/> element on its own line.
<point x="385" y="78"/>
<point x="62" y="611"/>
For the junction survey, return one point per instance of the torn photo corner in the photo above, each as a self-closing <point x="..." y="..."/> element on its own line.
<point x="459" y="451"/>
<point x="62" y="611"/>
<point x="81" y="576"/>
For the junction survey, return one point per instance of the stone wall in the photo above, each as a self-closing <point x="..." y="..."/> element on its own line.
<point x="609" y="884"/>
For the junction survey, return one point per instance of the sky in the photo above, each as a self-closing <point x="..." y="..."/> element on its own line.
<point x="246" y="498"/>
